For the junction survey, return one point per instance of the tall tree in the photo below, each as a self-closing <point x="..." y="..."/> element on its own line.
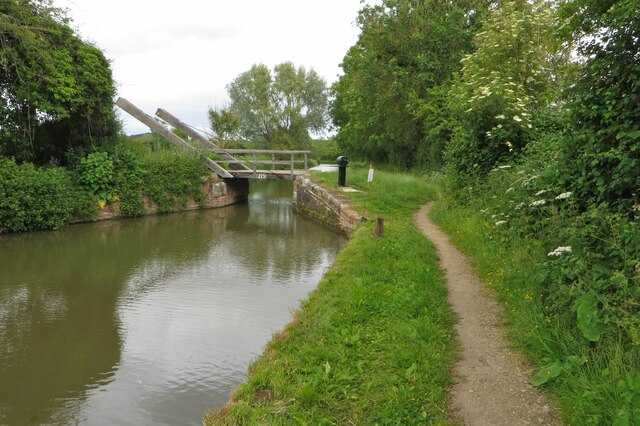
<point x="56" y="91"/>
<point x="279" y="108"/>
<point x="394" y="76"/>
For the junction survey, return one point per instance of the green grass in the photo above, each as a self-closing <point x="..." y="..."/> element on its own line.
<point x="373" y="344"/>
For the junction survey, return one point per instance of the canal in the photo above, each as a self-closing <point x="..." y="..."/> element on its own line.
<point x="151" y="320"/>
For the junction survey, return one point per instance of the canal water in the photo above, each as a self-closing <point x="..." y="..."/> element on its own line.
<point x="151" y="320"/>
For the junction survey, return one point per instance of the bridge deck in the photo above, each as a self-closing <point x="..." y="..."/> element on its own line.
<point x="266" y="174"/>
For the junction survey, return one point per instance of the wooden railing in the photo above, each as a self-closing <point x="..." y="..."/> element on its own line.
<point x="267" y="163"/>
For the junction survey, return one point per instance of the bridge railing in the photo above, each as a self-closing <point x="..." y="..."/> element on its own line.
<point x="261" y="161"/>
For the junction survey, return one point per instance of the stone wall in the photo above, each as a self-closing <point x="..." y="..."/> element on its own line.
<point x="218" y="194"/>
<point x="324" y="205"/>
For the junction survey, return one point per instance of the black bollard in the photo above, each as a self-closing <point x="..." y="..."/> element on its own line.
<point x="342" y="170"/>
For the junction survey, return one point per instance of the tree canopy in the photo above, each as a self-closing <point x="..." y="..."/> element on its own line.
<point x="278" y="108"/>
<point x="56" y="90"/>
<point x="388" y="104"/>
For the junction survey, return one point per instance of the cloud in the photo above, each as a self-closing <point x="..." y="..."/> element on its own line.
<point x="181" y="56"/>
<point x="171" y="36"/>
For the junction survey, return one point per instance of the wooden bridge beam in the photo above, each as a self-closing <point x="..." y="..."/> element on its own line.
<point x="206" y="143"/>
<point x="148" y="121"/>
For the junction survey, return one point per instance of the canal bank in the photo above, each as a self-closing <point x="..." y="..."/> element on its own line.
<point x="373" y="342"/>
<point x="215" y="194"/>
<point x="325" y="205"/>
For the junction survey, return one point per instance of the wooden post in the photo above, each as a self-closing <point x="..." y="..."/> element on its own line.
<point x="379" y="232"/>
<point x="255" y="163"/>
<point x="293" y="164"/>
<point x="273" y="161"/>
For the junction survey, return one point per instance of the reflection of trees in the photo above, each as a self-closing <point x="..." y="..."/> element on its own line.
<point x="59" y="291"/>
<point x="59" y="332"/>
<point x="275" y="241"/>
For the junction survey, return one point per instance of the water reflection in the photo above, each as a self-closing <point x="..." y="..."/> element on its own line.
<point x="150" y="320"/>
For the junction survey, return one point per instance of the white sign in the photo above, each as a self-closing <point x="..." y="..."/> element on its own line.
<point x="370" y="178"/>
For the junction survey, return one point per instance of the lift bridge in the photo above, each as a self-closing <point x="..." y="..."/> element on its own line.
<point x="240" y="163"/>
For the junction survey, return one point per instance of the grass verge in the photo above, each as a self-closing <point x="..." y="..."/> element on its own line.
<point x="373" y="344"/>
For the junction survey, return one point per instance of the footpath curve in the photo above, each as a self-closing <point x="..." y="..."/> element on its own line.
<point x="492" y="385"/>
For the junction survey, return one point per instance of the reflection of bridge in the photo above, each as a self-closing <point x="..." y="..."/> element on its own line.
<point x="231" y="163"/>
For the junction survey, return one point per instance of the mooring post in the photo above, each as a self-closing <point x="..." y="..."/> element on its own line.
<point x="342" y="170"/>
<point x="379" y="232"/>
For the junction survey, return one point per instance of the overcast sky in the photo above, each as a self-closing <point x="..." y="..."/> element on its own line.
<point x="180" y="55"/>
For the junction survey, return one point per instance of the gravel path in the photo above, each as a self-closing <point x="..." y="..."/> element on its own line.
<point x="492" y="385"/>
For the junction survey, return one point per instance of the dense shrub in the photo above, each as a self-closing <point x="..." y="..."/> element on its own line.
<point x="168" y="178"/>
<point x="173" y="178"/>
<point x="129" y="180"/>
<point x="35" y="199"/>
<point x="605" y="103"/>
<point x="510" y="77"/>
<point x="96" y="175"/>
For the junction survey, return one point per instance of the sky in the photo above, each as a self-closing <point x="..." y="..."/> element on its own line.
<point x="180" y="55"/>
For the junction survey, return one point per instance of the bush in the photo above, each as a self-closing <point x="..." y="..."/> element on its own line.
<point x="129" y="180"/>
<point x="36" y="199"/>
<point x="173" y="178"/>
<point x="96" y="175"/>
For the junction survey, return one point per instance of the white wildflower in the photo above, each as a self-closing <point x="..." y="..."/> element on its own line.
<point x="517" y="118"/>
<point x="519" y="206"/>
<point x="501" y="222"/>
<point x="560" y="251"/>
<point x="509" y="190"/>
<point x="510" y="145"/>
<point x="500" y="117"/>
<point x="538" y="203"/>
<point x="485" y="211"/>
<point x="539" y="193"/>
<point x="636" y="207"/>
<point x="564" y="195"/>
<point x="504" y="167"/>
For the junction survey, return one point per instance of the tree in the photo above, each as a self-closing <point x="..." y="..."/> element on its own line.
<point x="515" y="71"/>
<point x="605" y="102"/>
<point x="278" y="109"/>
<point x="225" y="123"/>
<point x="388" y="102"/>
<point x="56" y="91"/>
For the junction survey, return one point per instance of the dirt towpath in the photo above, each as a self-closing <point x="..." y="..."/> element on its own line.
<point x="492" y="385"/>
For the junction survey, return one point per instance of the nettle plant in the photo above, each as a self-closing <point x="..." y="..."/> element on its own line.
<point x="96" y="173"/>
